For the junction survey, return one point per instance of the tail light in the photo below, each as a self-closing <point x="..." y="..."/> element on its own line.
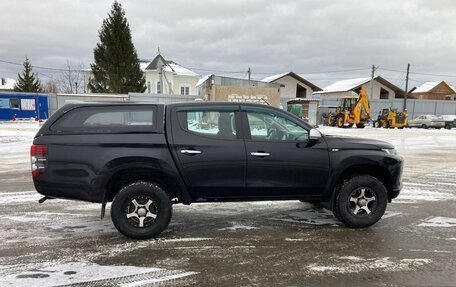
<point x="38" y="158"/>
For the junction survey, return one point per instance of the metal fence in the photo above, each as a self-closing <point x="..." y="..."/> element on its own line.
<point x="415" y="108"/>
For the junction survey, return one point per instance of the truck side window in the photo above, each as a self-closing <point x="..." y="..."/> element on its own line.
<point x="273" y="127"/>
<point x="209" y="123"/>
<point x="106" y="119"/>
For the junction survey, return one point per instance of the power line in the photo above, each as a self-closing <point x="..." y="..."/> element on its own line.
<point x="419" y="73"/>
<point x="217" y="71"/>
<point x="320" y="72"/>
<point x="52" y="69"/>
<point x="36" y="67"/>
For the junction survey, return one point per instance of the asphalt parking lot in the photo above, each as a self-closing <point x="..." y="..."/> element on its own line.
<point x="285" y="243"/>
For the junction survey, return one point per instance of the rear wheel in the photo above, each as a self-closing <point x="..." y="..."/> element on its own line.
<point x="360" y="201"/>
<point x="141" y="210"/>
<point x="386" y="124"/>
<point x="340" y="122"/>
<point x="331" y="121"/>
<point x="424" y="126"/>
<point x="448" y="126"/>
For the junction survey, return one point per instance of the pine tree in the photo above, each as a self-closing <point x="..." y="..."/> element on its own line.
<point x="28" y="81"/>
<point x="116" y="68"/>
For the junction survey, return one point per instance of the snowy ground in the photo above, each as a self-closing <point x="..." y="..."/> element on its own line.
<point x="236" y="244"/>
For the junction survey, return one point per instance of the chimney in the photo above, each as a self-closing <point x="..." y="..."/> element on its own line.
<point x="3" y="81"/>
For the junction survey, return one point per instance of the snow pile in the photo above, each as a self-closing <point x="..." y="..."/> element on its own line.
<point x="439" y="221"/>
<point x="15" y="141"/>
<point x="235" y="226"/>
<point x="57" y="274"/>
<point x="355" y="264"/>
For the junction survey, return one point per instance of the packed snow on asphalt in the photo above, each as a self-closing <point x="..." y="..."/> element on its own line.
<point x="285" y="243"/>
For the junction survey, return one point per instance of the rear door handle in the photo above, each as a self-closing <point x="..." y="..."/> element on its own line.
<point x="190" y="151"/>
<point x="260" y="154"/>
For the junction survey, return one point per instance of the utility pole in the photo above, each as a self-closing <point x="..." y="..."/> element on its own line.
<point x="160" y="78"/>
<point x="406" y="87"/>
<point x="372" y="83"/>
<point x="249" y="72"/>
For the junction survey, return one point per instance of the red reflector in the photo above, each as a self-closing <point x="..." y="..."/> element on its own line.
<point x="36" y="173"/>
<point x="38" y="149"/>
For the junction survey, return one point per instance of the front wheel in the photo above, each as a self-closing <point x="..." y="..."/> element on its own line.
<point x="361" y="201"/>
<point x="360" y="126"/>
<point x="141" y="210"/>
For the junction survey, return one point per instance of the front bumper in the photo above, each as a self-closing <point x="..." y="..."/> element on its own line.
<point x="396" y="176"/>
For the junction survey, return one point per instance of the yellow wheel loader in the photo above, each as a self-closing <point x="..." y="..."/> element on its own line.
<point x="391" y="118"/>
<point x="352" y="111"/>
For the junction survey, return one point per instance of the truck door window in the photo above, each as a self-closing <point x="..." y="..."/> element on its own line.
<point x="273" y="127"/>
<point x="209" y="123"/>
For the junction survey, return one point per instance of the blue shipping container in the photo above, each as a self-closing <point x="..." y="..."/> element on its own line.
<point x="23" y="106"/>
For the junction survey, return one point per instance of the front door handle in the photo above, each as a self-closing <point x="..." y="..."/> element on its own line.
<point x="260" y="154"/>
<point x="190" y="151"/>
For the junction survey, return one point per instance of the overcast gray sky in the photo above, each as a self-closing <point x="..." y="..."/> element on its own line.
<point x="269" y="36"/>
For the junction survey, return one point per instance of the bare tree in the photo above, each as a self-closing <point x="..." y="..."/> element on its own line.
<point x="50" y="87"/>
<point x="71" y="80"/>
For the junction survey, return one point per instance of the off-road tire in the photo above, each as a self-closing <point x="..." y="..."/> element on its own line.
<point x="360" y="126"/>
<point x="390" y="125"/>
<point x="343" y="206"/>
<point x="141" y="190"/>
<point x="332" y="120"/>
<point x="340" y="122"/>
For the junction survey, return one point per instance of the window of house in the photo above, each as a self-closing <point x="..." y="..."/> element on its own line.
<point x="185" y="90"/>
<point x="159" y="90"/>
<point x="209" y="123"/>
<point x="273" y="127"/>
<point x="384" y="94"/>
<point x="300" y="91"/>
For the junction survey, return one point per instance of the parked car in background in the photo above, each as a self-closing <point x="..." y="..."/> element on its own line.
<point x="427" y="121"/>
<point x="450" y="121"/>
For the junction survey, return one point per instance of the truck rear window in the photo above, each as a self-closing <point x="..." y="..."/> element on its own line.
<point x="107" y="119"/>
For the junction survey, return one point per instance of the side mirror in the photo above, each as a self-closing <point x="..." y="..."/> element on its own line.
<point x="314" y="135"/>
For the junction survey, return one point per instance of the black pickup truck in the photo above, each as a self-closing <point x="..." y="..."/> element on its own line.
<point x="145" y="157"/>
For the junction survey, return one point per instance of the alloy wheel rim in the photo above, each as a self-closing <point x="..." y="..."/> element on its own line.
<point x="362" y="201"/>
<point x="141" y="211"/>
